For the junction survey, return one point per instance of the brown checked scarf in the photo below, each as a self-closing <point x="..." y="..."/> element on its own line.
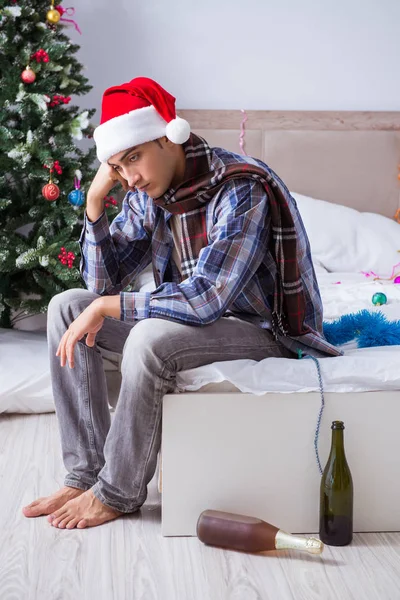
<point x="199" y="186"/>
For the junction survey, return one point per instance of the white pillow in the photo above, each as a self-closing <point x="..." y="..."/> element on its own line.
<point x="345" y="240"/>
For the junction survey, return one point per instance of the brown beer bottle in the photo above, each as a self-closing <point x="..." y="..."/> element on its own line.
<point x="336" y="497"/>
<point x="249" y="534"/>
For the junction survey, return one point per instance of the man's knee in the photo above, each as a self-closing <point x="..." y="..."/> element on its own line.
<point x="70" y="303"/>
<point x="152" y="337"/>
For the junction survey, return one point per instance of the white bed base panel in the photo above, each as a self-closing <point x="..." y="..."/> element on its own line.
<point x="254" y="455"/>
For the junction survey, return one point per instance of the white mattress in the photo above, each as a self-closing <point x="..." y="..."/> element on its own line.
<point x="360" y="369"/>
<point x="25" y="382"/>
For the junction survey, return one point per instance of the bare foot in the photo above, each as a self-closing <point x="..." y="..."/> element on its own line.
<point x="47" y="505"/>
<point x="85" y="511"/>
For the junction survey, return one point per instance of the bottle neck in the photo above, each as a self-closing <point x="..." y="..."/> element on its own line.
<point x="285" y="540"/>
<point x="337" y="446"/>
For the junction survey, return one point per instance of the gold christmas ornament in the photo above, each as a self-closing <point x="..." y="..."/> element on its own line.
<point x="53" y="16"/>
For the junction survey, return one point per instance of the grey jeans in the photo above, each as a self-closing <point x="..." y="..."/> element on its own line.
<point x="117" y="458"/>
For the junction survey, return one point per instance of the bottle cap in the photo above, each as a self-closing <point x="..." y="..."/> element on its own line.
<point x="337" y="425"/>
<point x="314" y="546"/>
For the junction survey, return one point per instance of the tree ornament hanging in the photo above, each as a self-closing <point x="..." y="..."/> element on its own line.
<point x="53" y="16"/>
<point x="58" y="99"/>
<point x="50" y="191"/>
<point x="40" y="56"/>
<point x="28" y="75"/>
<point x="110" y="201"/>
<point x="66" y="258"/>
<point x="77" y="196"/>
<point x="57" y="167"/>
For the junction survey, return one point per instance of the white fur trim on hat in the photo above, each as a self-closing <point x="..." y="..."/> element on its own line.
<point x="134" y="128"/>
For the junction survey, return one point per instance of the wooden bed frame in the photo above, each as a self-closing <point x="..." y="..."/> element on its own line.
<point x="253" y="454"/>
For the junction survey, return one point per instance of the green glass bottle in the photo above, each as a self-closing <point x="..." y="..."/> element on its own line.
<point x="336" y="499"/>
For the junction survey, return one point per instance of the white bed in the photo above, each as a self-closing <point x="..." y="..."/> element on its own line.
<point x="253" y="453"/>
<point x="359" y="370"/>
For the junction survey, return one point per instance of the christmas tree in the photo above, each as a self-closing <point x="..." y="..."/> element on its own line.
<point x="40" y="163"/>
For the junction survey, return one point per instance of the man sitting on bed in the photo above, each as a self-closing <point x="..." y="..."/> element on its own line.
<point x="233" y="279"/>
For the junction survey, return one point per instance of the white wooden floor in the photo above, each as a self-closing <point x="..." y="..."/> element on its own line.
<point x="128" y="559"/>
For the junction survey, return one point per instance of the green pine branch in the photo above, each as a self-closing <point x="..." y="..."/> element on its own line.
<point x="34" y="134"/>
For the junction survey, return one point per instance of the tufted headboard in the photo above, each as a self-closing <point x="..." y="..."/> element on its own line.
<point x="346" y="157"/>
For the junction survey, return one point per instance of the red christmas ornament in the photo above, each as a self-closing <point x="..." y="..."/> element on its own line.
<point x="110" y="200"/>
<point x="51" y="191"/>
<point x="66" y="258"/>
<point x="40" y="56"/>
<point x="58" y="99"/>
<point x="57" y="167"/>
<point x="28" y="76"/>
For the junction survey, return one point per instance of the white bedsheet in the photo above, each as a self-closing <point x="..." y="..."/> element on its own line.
<point x="360" y="369"/>
<point x="25" y="382"/>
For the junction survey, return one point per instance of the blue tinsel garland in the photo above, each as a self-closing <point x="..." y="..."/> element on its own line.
<point x="368" y="328"/>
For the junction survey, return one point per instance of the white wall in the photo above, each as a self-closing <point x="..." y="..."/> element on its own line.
<point x="251" y="54"/>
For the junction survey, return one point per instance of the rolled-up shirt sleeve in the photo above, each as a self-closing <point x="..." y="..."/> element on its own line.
<point x="113" y="255"/>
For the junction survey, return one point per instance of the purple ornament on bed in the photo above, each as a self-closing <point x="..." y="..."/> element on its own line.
<point x="397" y="280"/>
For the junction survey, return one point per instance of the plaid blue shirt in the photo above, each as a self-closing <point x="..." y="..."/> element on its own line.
<point x="234" y="274"/>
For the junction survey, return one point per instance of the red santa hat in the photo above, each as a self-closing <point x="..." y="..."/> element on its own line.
<point x="134" y="113"/>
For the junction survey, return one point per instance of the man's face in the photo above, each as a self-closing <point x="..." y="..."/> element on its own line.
<point x="151" y="167"/>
